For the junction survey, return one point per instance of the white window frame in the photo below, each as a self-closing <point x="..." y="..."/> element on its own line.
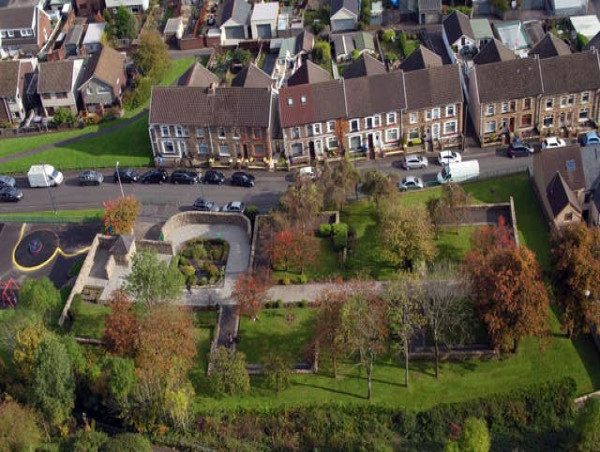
<point x="290" y="101"/>
<point x="235" y="133"/>
<point x="450" y="110"/>
<point x="200" y="132"/>
<point x="181" y="146"/>
<point x="165" y="131"/>
<point x="377" y="121"/>
<point x="551" y="117"/>
<point x="563" y="102"/>
<point x="436" y="113"/>
<point x="447" y="123"/>
<point x="2" y="34"/>
<point x="330" y="126"/>
<point x="413" y="133"/>
<point x="296" y="146"/>
<point x="179" y="131"/>
<point x="26" y="32"/>
<point x="571" y="99"/>
<point x="329" y="145"/>
<point x="487" y="128"/>
<point x="489" y="111"/>
<point x="202" y="145"/>
<point x="350" y="138"/>
<point x="505" y="107"/>
<point x="11" y="33"/>
<point x="89" y="90"/>
<point x="428" y="115"/>
<point x="357" y="122"/>
<point x="391" y="118"/>
<point x="412" y="118"/>
<point x="303" y="99"/>
<point x="317" y="129"/>
<point x="396" y="132"/>
<point x="585" y="97"/>
<point x="549" y="101"/>
<point x="164" y="148"/>
<point x="295" y="133"/>
<point x="587" y="116"/>
<point x="222" y="154"/>
<point x="223" y="135"/>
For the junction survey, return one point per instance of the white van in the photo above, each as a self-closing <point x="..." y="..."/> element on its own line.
<point x="459" y="172"/>
<point x="44" y="176"/>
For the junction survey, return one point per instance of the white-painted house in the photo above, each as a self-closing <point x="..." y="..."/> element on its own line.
<point x="457" y="35"/>
<point x="134" y="6"/>
<point x="344" y="15"/>
<point x="263" y="22"/>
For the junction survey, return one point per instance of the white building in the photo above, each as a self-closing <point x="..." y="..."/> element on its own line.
<point x="263" y="22"/>
<point x="135" y="6"/>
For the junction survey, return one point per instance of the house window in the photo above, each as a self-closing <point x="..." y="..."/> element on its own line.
<point x="303" y="99"/>
<point x="181" y="145"/>
<point x="224" y="150"/>
<point x="296" y="149"/>
<point x="2" y="34"/>
<point x="200" y="132"/>
<point x="571" y="99"/>
<point x="203" y="148"/>
<point x="11" y="33"/>
<point x="584" y="114"/>
<point x="585" y="97"/>
<point x="355" y="142"/>
<point x="450" y="110"/>
<point x="103" y="90"/>
<point x="490" y="127"/>
<point x="89" y="90"/>
<point x="354" y="127"/>
<point x="428" y="115"/>
<point x="330" y="126"/>
<point x="437" y="112"/>
<point x="563" y="102"/>
<point x="256" y="134"/>
<point x="295" y="133"/>
<point x="526" y="120"/>
<point x="164" y="131"/>
<point x="168" y="147"/>
<point x="413" y="134"/>
<point x="290" y="101"/>
<point x="332" y="143"/>
<point x="61" y="95"/>
<point x="236" y="133"/>
<point x="317" y="129"/>
<point x="569" y="216"/>
<point x="259" y="150"/>
<point x="25" y="33"/>
<point x="135" y="10"/>
<point x="412" y="118"/>
<point x="392" y="135"/>
<point x="222" y="132"/>
<point x="505" y="107"/>
<point x="489" y="111"/>
<point x="178" y="131"/>
<point x="450" y="127"/>
<point x="549" y="103"/>
<point x="526" y="104"/>
<point x="391" y="118"/>
<point x="548" y="121"/>
<point x="377" y="121"/>
<point x="562" y="119"/>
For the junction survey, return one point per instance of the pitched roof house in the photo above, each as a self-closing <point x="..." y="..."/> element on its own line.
<point x="363" y="66"/>
<point x="344" y="15"/>
<point x="14" y="77"/>
<point x="422" y="58"/>
<point x="235" y="21"/>
<point x="57" y="84"/>
<point x="263" y="21"/>
<point x="550" y="46"/>
<point x="309" y="72"/>
<point x="457" y="34"/>
<point x="346" y="44"/>
<point x="493" y="52"/>
<point x="199" y="76"/>
<point x="252" y="76"/>
<point x="103" y="80"/>
<point x="24" y="29"/>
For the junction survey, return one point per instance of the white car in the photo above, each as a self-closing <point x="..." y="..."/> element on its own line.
<point x="234" y="207"/>
<point x="553" y="142"/>
<point x="410" y="183"/>
<point x="446" y="157"/>
<point x="308" y="171"/>
<point x="414" y="162"/>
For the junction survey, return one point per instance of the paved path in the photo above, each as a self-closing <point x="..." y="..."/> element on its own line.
<point x="228" y="327"/>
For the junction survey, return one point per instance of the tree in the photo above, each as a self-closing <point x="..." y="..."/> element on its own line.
<point x="41" y="296"/>
<point x="241" y="56"/>
<point x="436" y="215"/>
<point x="321" y="53"/>
<point x="121" y="326"/>
<point x="587" y="427"/>
<point x="178" y="404"/>
<point x="125" y="25"/>
<point x="406" y="234"/>
<point x="63" y="115"/>
<point x="330" y="326"/>
<point x="404" y="315"/>
<point x="575" y="258"/>
<point x="228" y="373"/>
<point x="250" y="294"/>
<point x="284" y="249"/>
<point x="18" y="430"/>
<point x="365" y="327"/>
<point x="152" y="281"/>
<point x="151" y="56"/>
<point x="88" y="440"/>
<point x="54" y="385"/>
<point x="454" y="203"/>
<point x="28" y="340"/>
<point x="120" y="380"/>
<point x="277" y="372"/>
<point x="510" y="296"/>
<point x="445" y="307"/>
<point x="337" y="183"/>
<point x="388" y="35"/>
<point x="475" y="437"/>
<point x="378" y="185"/>
<point x="120" y="215"/>
<point x="127" y="442"/>
<point x="301" y="203"/>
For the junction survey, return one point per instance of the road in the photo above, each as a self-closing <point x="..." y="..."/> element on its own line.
<point x="265" y="194"/>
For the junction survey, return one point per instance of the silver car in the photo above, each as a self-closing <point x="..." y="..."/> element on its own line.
<point x="7" y="181"/>
<point x="410" y="183"/>
<point x="414" y="162"/>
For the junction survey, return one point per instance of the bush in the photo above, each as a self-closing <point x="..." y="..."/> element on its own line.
<point x="76" y="303"/>
<point x="500" y="5"/>
<point x="388" y="35"/>
<point x="251" y="212"/>
<point x="279" y="303"/>
<point x="303" y="303"/>
<point x="183" y="261"/>
<point x="325" y="230"/>
<point x="303" y="279"/>
<point x="64" y="115"/>
<point x="198" y="252"/>
<point x="187" y="270"/>
<point x="211" y="269"/>
<point x="340" y="236"/>
<point x="285" y="281"/>
<point x="203" y="281"/>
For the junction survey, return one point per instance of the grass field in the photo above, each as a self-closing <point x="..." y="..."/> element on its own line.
<point x="325" y="264"/>
<point x="90" y="320"/>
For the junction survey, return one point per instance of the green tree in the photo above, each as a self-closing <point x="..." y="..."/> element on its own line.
<point x="18" y="428"/>
<point x="125" y="24"/>
<point x="88" y="441"/>
<point x="41" y="296"/>
<point x="127" y="442"/>
<point x="587" y="427"/>
<point x="27" y="342"/>
<point x="241" y="56"/>
<point x="228" y="372"/>
<point x="152" y="281"/>
<point x="277" y="372"/>
<point x="475" y="437"/>
<point x="151" y="56"/>
<point x="388" y="35"/>
<point x="54" y="385"/>
<point x="120" y="378"/>
<point x="178" y="404"/>
<point x="63" y="115"/>
<point x="321" y="53"/>
<point x="378" y="185"/>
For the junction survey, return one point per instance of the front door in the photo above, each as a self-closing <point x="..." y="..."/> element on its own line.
<point x="311" y="150"/>
<point x="371" y="146"/>
<point x="435" y="131"/>
<point x="511" y="125"/>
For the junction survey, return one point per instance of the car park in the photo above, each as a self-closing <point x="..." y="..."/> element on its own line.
<point x="126" y="175"/>
<point x="242" y="179"/>
<point x="182" y="176"/>
<point x="10" y="194"/>
<point x="91" y="177"/>
<point x="553" y="142"/>
<point x="234" y="207"/>
<point x="214" y="177"/>
<point x="446" y="157"/>
<point x="7" y="181"/>
<point x="519" y="149"/>
<point x="204" y="205"/>
<point x="590" y="139"/>
<point x="414" y="162"/>
<point x="410" y="183"/>
<point x="154" y="176"/>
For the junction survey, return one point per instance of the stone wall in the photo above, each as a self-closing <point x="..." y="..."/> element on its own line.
<point x="185" y="218"/>
<point x="155" y="245"/>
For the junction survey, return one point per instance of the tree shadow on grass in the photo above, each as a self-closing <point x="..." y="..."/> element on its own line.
<point x="336" y="391"/>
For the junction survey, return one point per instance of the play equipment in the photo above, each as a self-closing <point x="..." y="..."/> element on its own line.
<point x="8" y="293"/>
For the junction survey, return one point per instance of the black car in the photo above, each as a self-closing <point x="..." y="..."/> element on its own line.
<point x="214" y="177"/>
<point x="519" y="149"/>
<point x="126" y="175"/>
<point x="90" y="178"/>
<point x="7" y="181"/>
<point x="242" y="179"/>
<point x="154" y="176"/>
<point x="205" y="206"/>
<point x="11" y="194"/>
<point x="184" y="177"/>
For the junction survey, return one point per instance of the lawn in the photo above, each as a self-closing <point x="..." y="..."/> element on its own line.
<point x="453" y="246"/>
<point x="72" y="216"/>
<point x="284" y="331"/>
<point x="90" y="320"/>
<point x="324" y="265"/>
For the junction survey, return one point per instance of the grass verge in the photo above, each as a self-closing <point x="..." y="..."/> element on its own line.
<point x="71" y="216"/>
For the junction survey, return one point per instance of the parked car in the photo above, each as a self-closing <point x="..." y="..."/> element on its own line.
<point x="205" y="206"/>
<point x="7" y="181"/>
<point x="154" y="176"/>
<point x="308" y="172"/>
<point x="126" y="175"/>
<point x="553" y="142"/>
<point x="234" y="207"/>
<point x="446" y="157"/>
<point x="214" y="177"/>
<point x="410" y="183"/>
<point x="181" y="176"/>
<point x="242" y="179"/>
<point x="11" y="194"/>
<point x="590" y="139"/>
<point x="519" y="149"/>
<point x="91" y="178"/>
<point x="414" y="162"/>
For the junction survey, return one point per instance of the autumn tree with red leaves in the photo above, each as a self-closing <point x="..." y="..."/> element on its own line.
<point x="250" y="294"/>
<point x="575" y="258"/>
<point x="120" y="215"/>
<point x="510" y="296"/>
<point x="121" y="326"/>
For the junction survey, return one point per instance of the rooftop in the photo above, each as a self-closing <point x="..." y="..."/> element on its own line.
<point x="265" y="11"/>
<point x="588" y="25"/>
<point x="513" y="35"/>
<point x="482" y="29"/>
<point x="94" y="33"/>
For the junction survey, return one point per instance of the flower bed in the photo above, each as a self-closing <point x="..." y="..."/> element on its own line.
<point x="203" y="262"/>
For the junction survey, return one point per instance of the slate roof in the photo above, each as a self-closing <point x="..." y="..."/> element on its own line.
<point x="456" y="25"/>
<point x="492" y="52"/>
<point x="534" y="30"/>
<point x="363" y="66"/>
<point x="375" y="94"/>
<point x="237" y="10"/>
<point x="309" y="72"/>
<point x="430" y="6"/>
<point x="55" y="76"/>
<point x="122" y="245"/>
<point x="323" y="102"/>
<point x="305" y="42"/>
<point x="106" y="65"/>
<point x="481" y="28"/>
<point x="571" y="73"/>
<point x="422" y="58"/>
<point x="594" y="42"/>
<point x="9" y="78"/>
<point x="560" y="195"/>
<point x="15" y="18"/>
<point x="187" y="105"/>
<point x="199" y="76"/>
<point x="252" y="77"/>
<point x="433" y="87"/>
<point x="590" y="158"/>
<point x="74" y="35"/>
<point x="512" y="79"/>
<point x="550" y="46"/>
<point x="265" y="11"/>
<point x="555" y="160"/>
<point x="350" y="5"/>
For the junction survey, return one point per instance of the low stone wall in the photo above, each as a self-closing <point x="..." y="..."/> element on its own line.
<point x="155" y="245"/>
<point x="481" y="352"/>
<point x="299" y="368"/>
<point x="186" y="218"/>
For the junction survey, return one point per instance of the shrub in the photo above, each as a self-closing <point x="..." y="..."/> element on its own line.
<point x="325" y="230"/>
<point x="500" y="5"/>
<point x="251" y="212"/>
<point x="268" y="305"/>
<point x="190" y="280"/>
<point x="303" y="279"/>
<point x="187" y="270"/>
<point x="212" y="280"/>
<point x="388" y="35"/>
<point x="285" y="281"/>
<point x="303" y="303"/>
<point x="203" y="281"/>
<point x="279" y="303"/>
<point x="76" y="303"/>
<point x="198" y="252"/>
<point x="183" y="261"/>
<point x="340" y="236"/>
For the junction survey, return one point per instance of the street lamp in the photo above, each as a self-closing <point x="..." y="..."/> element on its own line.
<point x="49" y="189"/>
<point x="119" y="178"/>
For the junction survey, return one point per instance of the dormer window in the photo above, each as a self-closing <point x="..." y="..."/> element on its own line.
<point x="11" y="33"/>
<point x="290" y="101"/>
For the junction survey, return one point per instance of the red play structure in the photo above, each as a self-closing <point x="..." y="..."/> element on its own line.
<point x="8" y="292"/>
